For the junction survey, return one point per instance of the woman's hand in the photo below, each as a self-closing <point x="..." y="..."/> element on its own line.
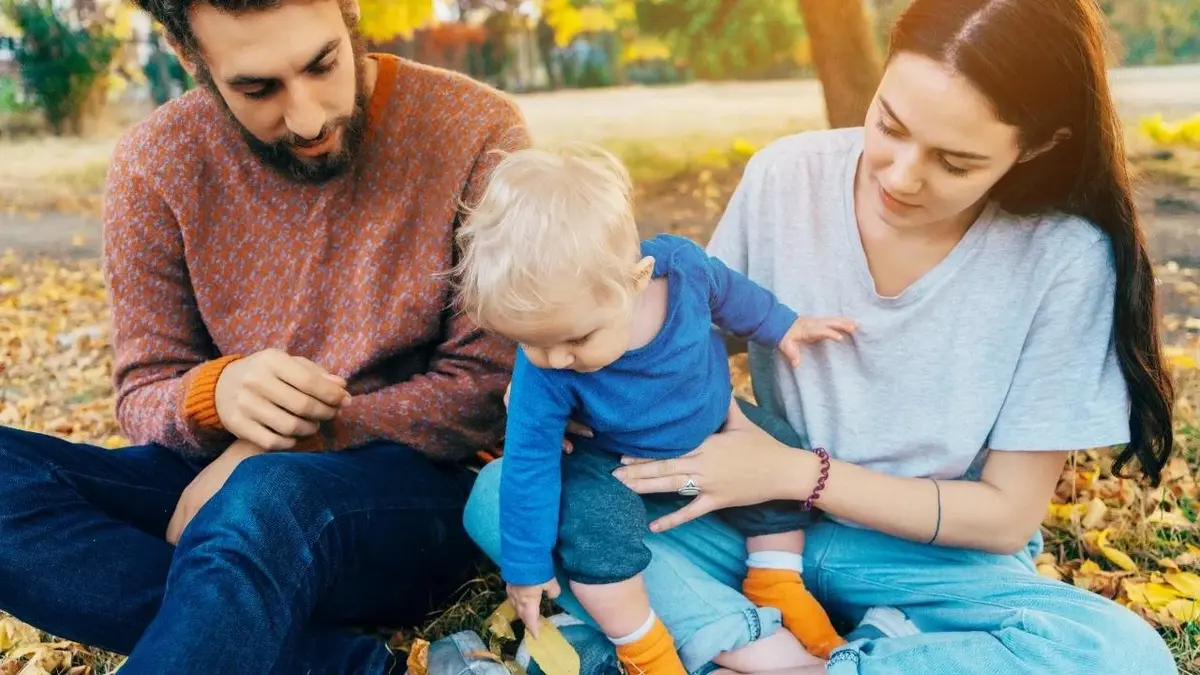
<point x="573" y="427"/>
<point x="737" y="466"/>
<point x="206" y="484"/>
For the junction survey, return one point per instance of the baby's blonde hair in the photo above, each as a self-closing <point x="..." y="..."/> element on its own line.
<point x="548" y="221"/>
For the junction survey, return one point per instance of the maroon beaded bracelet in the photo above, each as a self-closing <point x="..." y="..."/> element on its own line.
<point x="807" y="504"/>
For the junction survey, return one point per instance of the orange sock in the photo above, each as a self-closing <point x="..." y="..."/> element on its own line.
<point x="652" y="654"/>
<point x="802" y="614"/>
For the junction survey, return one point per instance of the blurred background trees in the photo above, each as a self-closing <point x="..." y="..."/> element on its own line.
<point x="65" y="59"/>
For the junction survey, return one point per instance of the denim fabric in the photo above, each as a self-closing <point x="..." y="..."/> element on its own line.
<point x="979" y="613"/>
<point x="602" y="523"/>
<point x="283" y="571"/>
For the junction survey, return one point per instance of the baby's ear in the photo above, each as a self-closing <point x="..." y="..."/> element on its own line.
<point x="643" y="272"/>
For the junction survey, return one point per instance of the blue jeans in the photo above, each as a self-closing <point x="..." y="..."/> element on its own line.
<point x="978" y="612"/>
<point x="286" y="570"/>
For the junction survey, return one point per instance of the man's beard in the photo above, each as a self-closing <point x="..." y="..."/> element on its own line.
<point x="276" y="154"/>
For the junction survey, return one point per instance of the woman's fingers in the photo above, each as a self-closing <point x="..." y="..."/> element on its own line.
<point x="694" y="509"/>
<point x="579" y="429"/>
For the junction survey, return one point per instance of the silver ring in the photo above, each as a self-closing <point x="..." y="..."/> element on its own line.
<point x="689" y="489"/>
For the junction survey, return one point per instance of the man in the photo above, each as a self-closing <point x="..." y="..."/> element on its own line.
<point x="286" y="357"/>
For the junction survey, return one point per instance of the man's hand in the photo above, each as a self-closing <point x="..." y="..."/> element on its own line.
<point x="527" y="600"/>
<point x="272" y="398"/>
<point x="807" y="330"/>
<point x="205" y="485"/>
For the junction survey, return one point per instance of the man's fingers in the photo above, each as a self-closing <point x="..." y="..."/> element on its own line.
<point x="693" y="510"/>
<point x="300" y="373"/>
<point x="277" y="419"/>
<point x="318" y="370"/>
<point x="293" y="400"/>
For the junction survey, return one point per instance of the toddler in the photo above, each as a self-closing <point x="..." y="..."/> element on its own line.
<point x="618" y="334"/>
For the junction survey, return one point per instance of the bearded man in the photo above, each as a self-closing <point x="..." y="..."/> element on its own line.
<point x="301" y="393"/>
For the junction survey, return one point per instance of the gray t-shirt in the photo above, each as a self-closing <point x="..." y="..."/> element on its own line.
<point x="1006" y="344"/>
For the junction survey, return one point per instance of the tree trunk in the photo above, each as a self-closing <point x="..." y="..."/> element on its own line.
<point x="845" y="56"/>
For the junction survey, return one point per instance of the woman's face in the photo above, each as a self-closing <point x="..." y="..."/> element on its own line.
<point x="933" y="145"/>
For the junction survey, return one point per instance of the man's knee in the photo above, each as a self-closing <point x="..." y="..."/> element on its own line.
<point x="266" y="496"/>
<point x="481" y="517"/>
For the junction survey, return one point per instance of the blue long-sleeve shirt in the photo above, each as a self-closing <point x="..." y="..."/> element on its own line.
<point x="660" y="400"/>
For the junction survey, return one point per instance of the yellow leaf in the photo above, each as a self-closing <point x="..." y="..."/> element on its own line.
<point x="1119" y="558"/>
<point x="1184" y="610"/>
<point x="418" y="657"/>
<point x="1158" y="595"/>
<point x="551" y="650"/>
<point x="501" y="620"/>
<point x="1136" y="592"/>
<point x="1167" y="563"/>
<point x="1096" y="512"/>
<point x="1169" y="519"/>
<point x="14" y="634"/>
<point x="1089" y="567"/>
<point x="1187" y="583"/>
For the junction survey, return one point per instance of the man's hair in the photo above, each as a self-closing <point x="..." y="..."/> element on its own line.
<point x="173" y="15"/>
<point x="550" y="226"/>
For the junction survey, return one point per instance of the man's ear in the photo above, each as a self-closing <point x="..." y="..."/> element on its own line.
<point x="1059" y="136"/>
<point x="642" y="273"/>
<point x="185" y="59"/>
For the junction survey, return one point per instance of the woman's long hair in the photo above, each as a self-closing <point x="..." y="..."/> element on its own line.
<point x="1042" y="65"/>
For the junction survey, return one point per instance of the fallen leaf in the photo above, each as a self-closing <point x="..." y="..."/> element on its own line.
<point x="1158" y="595"/>
<point x="1095" y="515"/>
<point x="484" y="655"/>
<point x="1187" y="583"/>
<point x="1184" y="610"/>
<point x="553" y="654"/>
<point x="501" y="621"/>
<point x="1171" y="518"/>
<point x="418" y="657"/>
<point x="16" y="635"/>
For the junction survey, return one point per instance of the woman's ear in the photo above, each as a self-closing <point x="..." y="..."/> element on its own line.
<point x="1059" y="136"/>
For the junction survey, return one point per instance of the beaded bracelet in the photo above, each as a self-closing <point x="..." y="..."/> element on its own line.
<point x="807" y="504"/>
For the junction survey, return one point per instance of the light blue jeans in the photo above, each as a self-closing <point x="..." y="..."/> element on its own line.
<point x="978" y="612"/>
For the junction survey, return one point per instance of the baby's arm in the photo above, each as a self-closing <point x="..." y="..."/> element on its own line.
<point x="531" y="484"/>
<point x="751" y="311"/>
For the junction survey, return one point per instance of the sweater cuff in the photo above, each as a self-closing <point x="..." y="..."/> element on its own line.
<point x="200" y="395"/>
<point x="779" y="322"/>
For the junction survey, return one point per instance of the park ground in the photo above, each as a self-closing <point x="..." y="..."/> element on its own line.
<point x="686" y="146"/>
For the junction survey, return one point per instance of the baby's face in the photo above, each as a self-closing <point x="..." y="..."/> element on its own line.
<point x="585" y="338"/>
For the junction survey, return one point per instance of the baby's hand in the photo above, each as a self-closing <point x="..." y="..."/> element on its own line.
<point x="527" y="600"/>
<point x="807" y="330"/>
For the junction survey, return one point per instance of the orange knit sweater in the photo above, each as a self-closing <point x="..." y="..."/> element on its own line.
<point x="210" y="255"/>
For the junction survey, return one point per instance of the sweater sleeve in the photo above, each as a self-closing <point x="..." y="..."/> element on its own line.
<point x="531" y="475"/>
<point x="165" y="365"/>
<point x="456" y="407"/>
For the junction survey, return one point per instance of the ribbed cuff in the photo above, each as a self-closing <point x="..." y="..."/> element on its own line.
<point x="200" y="398"/>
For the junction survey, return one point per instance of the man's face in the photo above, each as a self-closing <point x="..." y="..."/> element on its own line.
<point x="292" y="77"/>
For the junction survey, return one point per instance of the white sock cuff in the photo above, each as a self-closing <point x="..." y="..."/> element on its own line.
<point x="637" y="634"/>
<point x="776" y="560"/>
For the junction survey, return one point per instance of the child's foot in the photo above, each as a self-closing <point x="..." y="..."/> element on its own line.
<point x="650" y="651"/>
<point x="802" y="614"/>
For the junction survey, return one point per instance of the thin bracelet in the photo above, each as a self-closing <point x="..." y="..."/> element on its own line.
<point x="807" y="504"/>
<point x="937" y="528"/>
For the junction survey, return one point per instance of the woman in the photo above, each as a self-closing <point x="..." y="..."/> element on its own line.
<point x="980" y="229"/>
